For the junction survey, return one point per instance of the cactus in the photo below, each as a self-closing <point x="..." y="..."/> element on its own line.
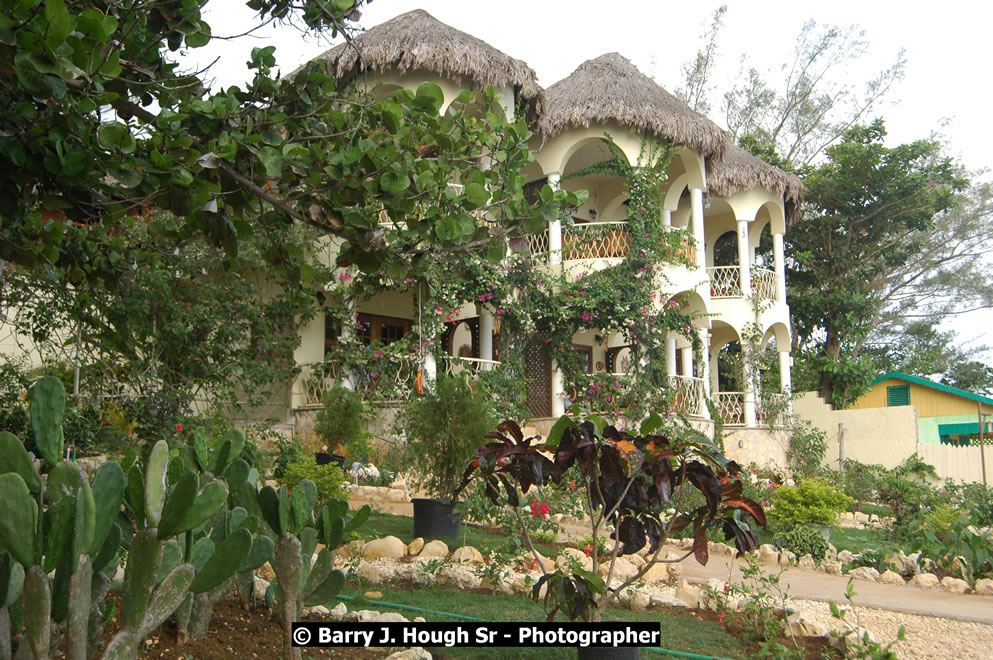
<point x="15" y="458"/>
<point x="37" y="600"/>
<point x="48" y="403"/>
<point x="288" y="565"/>
<point x="18" y="520"/>
<point x="224" y="562"/>
<point x="80" y="584"/>
<point x="155" y="482"/>
<point x="108" y="486"/>
<point x="144" y="560"/>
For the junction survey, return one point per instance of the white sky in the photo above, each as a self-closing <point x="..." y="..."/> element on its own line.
<point x="945" y="88"/>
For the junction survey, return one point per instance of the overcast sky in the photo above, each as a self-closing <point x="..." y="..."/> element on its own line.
<point x="945" y="88"/>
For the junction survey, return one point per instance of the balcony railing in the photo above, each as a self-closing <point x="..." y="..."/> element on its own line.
<point x="690" y="395"/>
<point x="731" y="406"/>
<point x="590" y="240"/>
<point x="725" y="282"/>
<point x="395" y="380"/>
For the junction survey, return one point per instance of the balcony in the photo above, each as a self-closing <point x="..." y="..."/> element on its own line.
<point x="731" y="407"/>
<point x="725" y="282"/>
<point x="395" y="380"/>
<point x="590" y="240"/>
<point x="690" y="396"/>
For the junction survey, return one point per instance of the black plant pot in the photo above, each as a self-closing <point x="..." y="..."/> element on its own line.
<point x="326" y="459"/>
<point x="610" y="653"/>
<point x="436" y="518"/>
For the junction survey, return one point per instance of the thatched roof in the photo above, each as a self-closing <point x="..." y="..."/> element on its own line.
<point x="418" y="41"/>
<point x="611" y="88"/>
<point x="740" y="170"/>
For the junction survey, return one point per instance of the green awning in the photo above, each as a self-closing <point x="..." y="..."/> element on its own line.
<point x="964" y="428"/>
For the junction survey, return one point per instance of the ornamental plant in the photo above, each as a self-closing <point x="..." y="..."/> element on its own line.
<point x="812" y="501"/>
<point x="630" y="482"/>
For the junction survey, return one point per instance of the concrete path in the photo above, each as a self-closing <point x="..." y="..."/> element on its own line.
<point x="814" y="585"/>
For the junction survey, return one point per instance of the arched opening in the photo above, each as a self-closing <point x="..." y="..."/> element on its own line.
<point x="726" y="249"/>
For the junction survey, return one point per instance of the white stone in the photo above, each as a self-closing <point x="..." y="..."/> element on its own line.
<point x="831" y="567"/>
<point x="864" y="573"/>
<point x="338" y="613"/>
<point x="434" y="550"/>
<point x="261" y="584"/>
<point x="954" y="585"/>
<point x="688" y="593"/>
<point x="320" y="610"/>
<point x="636" y="559"/>
<point x="467" y="554"/>
<point x="984" y="587"/>
<point x="660" y="573"/>
<point x="807" y="562"/>
<point x="845" y="556"/>
<point x="376" y="572"/>
<point x="768" y="553"/>
<point x="804" y="625"/>
<point x="391" y="617"/>
<point x="414" y="547"/>
<point x="925" y="580"/>
<point x="891" y="577"/>
<point x="460" y="576"/>
<point x="568" y="554"/>
<point x="623" y="569"/>
<point x="386" y="547"/>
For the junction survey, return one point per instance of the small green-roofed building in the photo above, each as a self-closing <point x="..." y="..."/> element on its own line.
<point x="945" y="414"/>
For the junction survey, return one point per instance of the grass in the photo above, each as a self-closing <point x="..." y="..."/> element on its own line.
<point x="857" y="540"/>
<point x="681" y="631"/>
<point x="484" y="540"/>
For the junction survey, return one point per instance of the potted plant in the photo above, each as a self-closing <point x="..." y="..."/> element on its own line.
<point x="339" y="425"/>
<point x="638" y="484"/>
<point x="443" y="429"/>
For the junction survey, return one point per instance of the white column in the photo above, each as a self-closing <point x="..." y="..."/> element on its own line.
<point x="485" y="337"/>
<point x="554" y="228"/>
<point x="430" y="368"/>
<point x="666" y="218"/>
<point x="778" y="256"/>
<point x="696" y="214"/>
<point x="744" y="263"/>
<point x="558" y="391"/>
<point x="670" y="356"/>
<point x="705" y="359"/>
<point x="785" y="379"/>
<point x="751" y="419"/>
<point x="715" y="383"/>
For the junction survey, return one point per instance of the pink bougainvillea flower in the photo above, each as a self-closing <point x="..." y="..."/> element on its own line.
<point x="179" y="427"/>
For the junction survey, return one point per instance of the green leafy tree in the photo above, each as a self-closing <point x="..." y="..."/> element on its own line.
<point x="870" y="210"/>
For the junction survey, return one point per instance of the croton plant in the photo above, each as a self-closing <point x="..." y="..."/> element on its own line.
<point x="646" y="487"/>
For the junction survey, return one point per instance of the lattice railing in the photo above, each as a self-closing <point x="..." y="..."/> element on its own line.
<point x="731" y="406"/>
<point x="687" y="246"/>
<point x="455" y="366"/>
<point x="596" y="240"/>
<point x="725" y="282"/>
<point x="690" y="394"/>
<point x="764" y="283"/>
<point x="537" y="243"/>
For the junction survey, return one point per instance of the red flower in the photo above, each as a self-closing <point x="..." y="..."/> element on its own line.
<point x="720" y="618"/>
<point x="588" y="550"/>
<point x="179" y="427"/>
<point x="572" y="484"/>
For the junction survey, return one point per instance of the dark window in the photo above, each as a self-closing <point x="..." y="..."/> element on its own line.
<point x="898" y="395"/>
<point x="585" y="357"/>
<point x="382" y="329"/>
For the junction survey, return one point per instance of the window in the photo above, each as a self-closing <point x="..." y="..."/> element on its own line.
<point x="898" y="395"/>
<point x="585" y="357"/>
<point x="369" y="328"/>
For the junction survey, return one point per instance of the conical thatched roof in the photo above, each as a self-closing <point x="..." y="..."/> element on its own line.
<point x="741" y="170"/>
<point x="610" y="87"/>
<point x="417" y="40"/>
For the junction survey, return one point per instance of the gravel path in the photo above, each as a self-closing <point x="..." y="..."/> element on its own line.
<point x="927" y="637"/>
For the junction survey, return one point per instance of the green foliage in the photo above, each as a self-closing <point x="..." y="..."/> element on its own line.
<point x="339" y="424"/>
<point x="291" y="451"/>
<point x="443" y="430"/>
<point x="963" y="551"/>
<point x="810" y="501"/>
<point x="857" y="642"/>
<point x="329" y="479"/>
<point x="860" y="481"/>
<point x="869" y="210"/>
<point x="877" y="558"/>
<point x="808" y="445"/>
<point x="802" y="540"/>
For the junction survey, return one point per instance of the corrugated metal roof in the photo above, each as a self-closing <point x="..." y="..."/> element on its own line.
<point x="948" y="389"/>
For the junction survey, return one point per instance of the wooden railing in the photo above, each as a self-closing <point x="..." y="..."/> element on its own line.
<point x="690" y="395"/>
<point x="731" y="406"/>
<point x="725" y="282"/>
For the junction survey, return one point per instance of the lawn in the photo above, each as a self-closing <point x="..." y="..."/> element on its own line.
<point x="681" y="631"/>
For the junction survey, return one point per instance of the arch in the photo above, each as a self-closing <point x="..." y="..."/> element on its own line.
<point x="725" y="251"/>
<point x="613" y="207"/>
<point x="780" y="332"/>
<point x="676" y="188"/>
<point x="461" y="340"/>
<point x="554" y="155"/>
<point x="693" y="166"/>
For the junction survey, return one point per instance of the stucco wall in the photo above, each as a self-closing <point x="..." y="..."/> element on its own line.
<point x="928" y="401"/>
<point x="763" y="447"/>
<point x="886" y="436"/>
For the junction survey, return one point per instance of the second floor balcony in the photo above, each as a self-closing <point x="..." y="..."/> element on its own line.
<point x="725" y="282"/>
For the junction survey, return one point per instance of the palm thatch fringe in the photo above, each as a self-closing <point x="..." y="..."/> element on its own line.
<point x="611" y="88"/>
<point x="418" y="41"/>
<point x="740" y="170"/>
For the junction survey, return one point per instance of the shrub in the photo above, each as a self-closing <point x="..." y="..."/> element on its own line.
<point x="811" y="501"/>
<point x="941" y="519"/>
<point x="802" y="541"/>
<point x="339" y="423"/>
<point x="860" y="481"/>
<point x="443" y="430"/>
<point x="808" y="445"/>
<point x="329" y="479"/>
